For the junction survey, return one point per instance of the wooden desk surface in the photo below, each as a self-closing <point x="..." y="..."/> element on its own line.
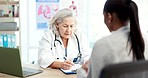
<point x="47" y="73"/>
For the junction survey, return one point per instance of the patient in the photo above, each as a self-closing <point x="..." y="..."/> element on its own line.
<point x="125" y="44"/>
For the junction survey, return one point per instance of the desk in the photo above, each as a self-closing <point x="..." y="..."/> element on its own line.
<point x="47" y="73"/>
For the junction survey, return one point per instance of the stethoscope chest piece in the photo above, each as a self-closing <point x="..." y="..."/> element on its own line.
<point x="77" y="59"/>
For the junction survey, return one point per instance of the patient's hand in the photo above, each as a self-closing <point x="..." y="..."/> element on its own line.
<point x="85" y="66"/>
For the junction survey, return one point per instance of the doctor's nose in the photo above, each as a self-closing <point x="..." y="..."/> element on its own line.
<point x="69" y="29"/>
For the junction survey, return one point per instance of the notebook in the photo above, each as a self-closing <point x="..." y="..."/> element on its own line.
<point x="72" y="70"/>
<point x="10" y="63"/>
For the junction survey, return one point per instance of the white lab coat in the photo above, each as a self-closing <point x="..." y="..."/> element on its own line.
<point x="48" y="53"/>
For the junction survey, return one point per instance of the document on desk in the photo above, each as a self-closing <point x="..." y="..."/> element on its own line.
<point x="72" y="70"/>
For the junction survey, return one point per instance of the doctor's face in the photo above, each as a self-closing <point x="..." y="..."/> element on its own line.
<point x="66" y="28"/>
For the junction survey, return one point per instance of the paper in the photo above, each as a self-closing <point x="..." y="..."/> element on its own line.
<point x="76" y="66"/>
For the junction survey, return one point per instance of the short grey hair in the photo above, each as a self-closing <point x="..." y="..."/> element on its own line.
<point x="59" y="17"/>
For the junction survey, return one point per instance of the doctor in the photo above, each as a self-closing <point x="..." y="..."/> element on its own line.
<point x="63" y="46"/>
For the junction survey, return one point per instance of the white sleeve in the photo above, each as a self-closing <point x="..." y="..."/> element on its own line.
<point x="45" y="57"/>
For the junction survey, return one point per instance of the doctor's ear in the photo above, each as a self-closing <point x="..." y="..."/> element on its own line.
<point x="57" y="25"/>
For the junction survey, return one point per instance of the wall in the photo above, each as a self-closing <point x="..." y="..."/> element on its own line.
<point x="24" y="29"/>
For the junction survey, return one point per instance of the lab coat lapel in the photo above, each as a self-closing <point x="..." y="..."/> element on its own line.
<point x="61" y="47"/>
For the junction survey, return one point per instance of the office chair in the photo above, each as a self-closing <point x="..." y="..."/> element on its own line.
<point x="138" y="69"/>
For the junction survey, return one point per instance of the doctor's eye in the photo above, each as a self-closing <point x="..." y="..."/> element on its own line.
<point x="72" y="26"/>
<point x="65" y="26"/>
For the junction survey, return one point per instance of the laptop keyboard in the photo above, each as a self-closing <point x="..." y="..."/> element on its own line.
<point x="27" y="73"/>
<point x="30" y="71"/>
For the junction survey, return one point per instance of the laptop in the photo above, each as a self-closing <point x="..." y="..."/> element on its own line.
<point x="138" y="69"/>
<point x="10" y="63"/>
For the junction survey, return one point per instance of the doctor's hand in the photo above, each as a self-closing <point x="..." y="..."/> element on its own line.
<point x="67" y="64"/>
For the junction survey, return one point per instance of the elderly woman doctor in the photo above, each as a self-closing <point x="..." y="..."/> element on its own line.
<point x="63" y="46"/>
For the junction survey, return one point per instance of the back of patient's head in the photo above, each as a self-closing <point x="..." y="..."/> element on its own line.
<point x="127" y="10"/>
<point x="120" y="7"/>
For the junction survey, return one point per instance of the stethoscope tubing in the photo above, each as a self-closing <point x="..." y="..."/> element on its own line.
<point x="79" y="54"/>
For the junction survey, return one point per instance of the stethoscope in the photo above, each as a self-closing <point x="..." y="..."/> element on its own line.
<point x="79" y="56"/>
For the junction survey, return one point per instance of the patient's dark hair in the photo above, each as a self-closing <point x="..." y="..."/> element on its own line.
<point x="128" y="10"/>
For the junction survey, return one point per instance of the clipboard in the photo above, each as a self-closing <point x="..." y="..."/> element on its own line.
<point x="68" y="71"/>
<point x="72" y="70"/>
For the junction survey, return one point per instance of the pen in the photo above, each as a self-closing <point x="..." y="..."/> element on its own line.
<point x="65" y="58"/>
<point x="68" y="61"/>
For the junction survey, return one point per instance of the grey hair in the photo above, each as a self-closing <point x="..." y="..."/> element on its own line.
<point x="58" y="18"/>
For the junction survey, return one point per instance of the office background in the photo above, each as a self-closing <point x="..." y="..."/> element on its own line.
<point x="91" y="23"/>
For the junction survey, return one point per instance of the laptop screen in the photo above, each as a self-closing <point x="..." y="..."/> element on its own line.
<point x="10" y="63"/>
